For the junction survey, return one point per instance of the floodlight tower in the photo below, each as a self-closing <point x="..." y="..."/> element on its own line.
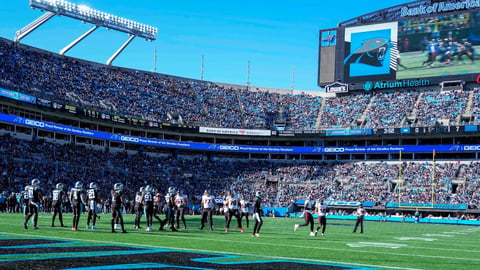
<point x="86" y="14"/>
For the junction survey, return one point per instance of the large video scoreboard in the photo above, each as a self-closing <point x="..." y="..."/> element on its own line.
<point x="417" y="44"/>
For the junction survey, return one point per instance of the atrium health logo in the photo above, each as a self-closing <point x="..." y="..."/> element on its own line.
<point x="368" y="85"/>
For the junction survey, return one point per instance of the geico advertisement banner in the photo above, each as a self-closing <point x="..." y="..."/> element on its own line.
<point x="337" y="150"/>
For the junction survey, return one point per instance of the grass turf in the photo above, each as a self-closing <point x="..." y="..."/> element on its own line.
<point x="382" y="246"/>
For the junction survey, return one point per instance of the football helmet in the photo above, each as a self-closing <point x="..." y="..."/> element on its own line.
<point x="142" y="189"/>
<point x="259" y="194"/>
<point x="78" y="184"/>
<point x="172" y="190"/>
<point x="93" y="185"/>
<point x="206" y="192"/>
<point x="59" y="186"/>
<point x="118" y="186"/>
<point x="35" y="182"/>
<point x="148" y="188"/>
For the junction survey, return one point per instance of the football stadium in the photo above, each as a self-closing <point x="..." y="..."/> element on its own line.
<point x="108" y="167"/>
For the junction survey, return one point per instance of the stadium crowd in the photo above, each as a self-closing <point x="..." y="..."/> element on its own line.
<point x="281" y="182"/>
<point x="155" y="97"/>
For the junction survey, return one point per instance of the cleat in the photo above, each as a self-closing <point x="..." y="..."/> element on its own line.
<point x="211" y="228"/>
<point x="226" y="230"/>
<point x="88" y="227"/>
<point x="36" y="228"/>
<point x="323" y="235"/>
<point x="149" y="229"/>
<point x="312" y="234"/>
<point x="94" y="228"/>
<point x="257" y="235"/>
<point x="295" y="227"/>
<point x="242" y="230"/>
<point x="52" y="225"/>
<point x="25" y="225"/>
<point x="113" y="231"/>
<point x="316" y="232"/>
<point x="124" y="231"/>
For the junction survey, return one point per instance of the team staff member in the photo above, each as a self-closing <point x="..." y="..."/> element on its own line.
<point x="360" y="212"/>
<point x="57" y="200"/>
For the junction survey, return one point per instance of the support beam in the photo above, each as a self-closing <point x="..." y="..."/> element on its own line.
<point x="71" y="45"/>
<point x="109" y="62"/>
<point x="32" y="26"/>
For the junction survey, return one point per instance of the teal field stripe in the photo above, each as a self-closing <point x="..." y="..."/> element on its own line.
<point x="136" y="266"/>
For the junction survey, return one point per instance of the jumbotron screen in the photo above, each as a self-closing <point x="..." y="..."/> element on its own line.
<point x="410" y="52"/>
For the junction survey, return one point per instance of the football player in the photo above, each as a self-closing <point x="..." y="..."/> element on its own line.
<point x="58" y="195"/>
<point x="321" y="211"/>
<point x="139" y="207"/>
<point x="34" y="196"/>
<point x="147" y="201"/>
<point x="257" y="214"/>
<point x="360" y="212"/>
<point x="233" y="211"/>
<point x="181" y="201"/>
<point x="207" y="206"/>
<point x="170" y="208"/>
<point x="244" y="204"/>
<point x="93" y="198"/>
<point x="77" y="199"/>
<point x="307" y="214"/>
<point x="117" y="202"/>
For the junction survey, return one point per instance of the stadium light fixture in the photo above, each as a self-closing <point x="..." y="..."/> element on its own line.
<point x="87" y="15"/>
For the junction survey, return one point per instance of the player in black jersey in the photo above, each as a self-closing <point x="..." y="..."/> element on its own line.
<point x="77" y="199"/>
<point x="149" y="207"/>
<point x="257" y="214"/>
<point x="34" y="196"/>
<point x="307" y="213"/>
<point x="117" y="201"/>
<point x="138" y="208"/>
<point x="170" y="208"/>
<point x="58" y="195"/>
<point x="93" y="198"/>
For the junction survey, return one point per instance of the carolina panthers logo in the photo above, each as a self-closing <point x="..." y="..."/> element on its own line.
<point x="372" y="52"/>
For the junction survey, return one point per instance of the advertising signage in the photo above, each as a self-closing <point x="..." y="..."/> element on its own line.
<point x="42" y="125"/>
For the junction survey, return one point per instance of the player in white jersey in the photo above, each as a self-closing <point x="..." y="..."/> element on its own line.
<point x="244" y="205"/>
<point x="181" y="201"/>
<point x="321" y="211"/>
<point x="207" y="206"/>
<point x="307" y="213"/>
<point x="233" y="210"/>
<point x="360" y="212"/>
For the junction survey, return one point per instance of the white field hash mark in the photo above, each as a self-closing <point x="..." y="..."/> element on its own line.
<point x="376" y="244"/>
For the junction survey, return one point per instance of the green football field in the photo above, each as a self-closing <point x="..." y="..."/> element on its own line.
<point x="384" y="245"/>
<point x="413" y="61"/>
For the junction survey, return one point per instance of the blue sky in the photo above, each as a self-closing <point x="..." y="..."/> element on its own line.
<point x="277" y="37"/>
